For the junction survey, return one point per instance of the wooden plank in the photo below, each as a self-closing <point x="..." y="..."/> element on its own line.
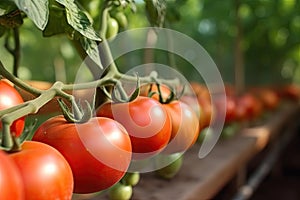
<point x="199" y="178"/>
<point x="271" y="129"/>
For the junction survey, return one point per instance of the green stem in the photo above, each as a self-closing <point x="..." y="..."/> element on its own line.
<point x="107" y="58"/>
<point x="31" y="107"/>
<point x="15" y="52"/>
<point x="6" y="141"/>
<point x="18" y="82"/>
<point x="104" y="11"/>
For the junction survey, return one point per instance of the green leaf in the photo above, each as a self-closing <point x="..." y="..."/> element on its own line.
<point x="91" y="48"/>
<point x="7" y="7"/>
<point x="2" y="11"/>
<point x="156" y="11"/>
<point x="36" y="10"/>
<point x="57" y="23"/>
<point x="79" y="20"/>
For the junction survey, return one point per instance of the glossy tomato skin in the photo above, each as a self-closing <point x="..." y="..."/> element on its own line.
<point x="146" y="121"/>
<point x="11" y="185"/>
<point x="44" y="171"/>
<point x="98" y="151"/>
<point x="10" y="97"/>
<point x="185" y="126"/>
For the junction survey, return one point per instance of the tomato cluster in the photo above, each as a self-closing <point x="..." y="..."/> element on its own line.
<point x="98" y="151"/>
<point x="38" y="170"/>
<point x="244" y="107"/>
<point x="66" y="158"/>
<point x="155" y="126"/>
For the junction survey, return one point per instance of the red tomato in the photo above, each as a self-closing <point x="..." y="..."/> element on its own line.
<point x="44" y="171"/>
<point x="269" y="97"/>
<point x="185" y="126"/>
<point x="10" y="179"/>
<point x="98" y="151"/>
<point x="10" y="97"/>
<point x="290" y="91"/>
<point x="146" y="121"/>
<point x="252" y="106"/>
<point x="229" y="109"/>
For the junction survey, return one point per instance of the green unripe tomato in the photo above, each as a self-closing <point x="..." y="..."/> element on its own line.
<point x="131" y="178"/>
<point x="112" y="28"/>
<point x="229" y="131"/>
<point x="122" y="19"/>
<point x="171" y="169"/>
<point x="205" y="133"/>
<point x="120" y="192"/>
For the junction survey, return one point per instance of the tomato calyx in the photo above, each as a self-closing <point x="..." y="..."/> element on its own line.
<point x="171" y="96"/>
<point x="160" y="91"/>
<point x="118" y="93"/>
<point x="80" y="115"/>
<point x="120" y="96"/>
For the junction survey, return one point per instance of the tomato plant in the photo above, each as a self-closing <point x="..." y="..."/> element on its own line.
<point x="10" y="179"/>
<point x="98" y="151"/>
<point x="9" y="97"/>
<point x="146" y="121"/>
<point x="44" y="171"/>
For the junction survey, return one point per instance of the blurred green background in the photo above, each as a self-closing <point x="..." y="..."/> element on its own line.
<point x="268" y="32"/>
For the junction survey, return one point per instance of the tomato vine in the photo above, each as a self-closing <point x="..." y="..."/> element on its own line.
<point x="54" y="17"/>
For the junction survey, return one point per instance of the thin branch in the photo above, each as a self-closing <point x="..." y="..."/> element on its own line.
<point x="15" y="51"/>
<point x="18" y="81"/>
